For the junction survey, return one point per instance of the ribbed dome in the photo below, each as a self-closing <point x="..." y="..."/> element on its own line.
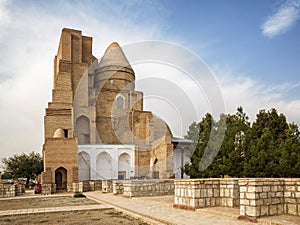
<point x="114" y="56"/>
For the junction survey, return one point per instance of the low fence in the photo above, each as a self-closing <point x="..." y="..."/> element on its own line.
<point x="256" y="197"/>
<point x="138" y="188"/>
<point x="202" y="193"/>
<point x="11" y="190"/>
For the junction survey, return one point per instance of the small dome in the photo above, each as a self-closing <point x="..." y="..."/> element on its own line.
<point x="59" y="133"/>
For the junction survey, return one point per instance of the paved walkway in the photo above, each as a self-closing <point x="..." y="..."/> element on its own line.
<point x="155" y="210"/>
<point x="160" y="209"/>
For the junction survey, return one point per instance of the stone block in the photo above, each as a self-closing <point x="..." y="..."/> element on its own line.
<point x="290" y="188"/>
<point x="250" y="195"/>
<point x="266" y="188"/>
<point x="252" y="211"/>
<point x="280" y="209"/>
<point x="264" y="211"/>
<point x="273" y="210"/>
<point x="292" y="209"/>
<point x="242" y="210"/>
<point x="287" y="194"/>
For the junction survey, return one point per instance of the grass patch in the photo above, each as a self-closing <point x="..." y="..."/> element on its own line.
<point x="79" y="195"/>
<point x="114" y="213"/>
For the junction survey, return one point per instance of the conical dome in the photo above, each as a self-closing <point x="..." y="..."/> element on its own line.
<point x="114" y="56"/>
<point x="114" y="70"/>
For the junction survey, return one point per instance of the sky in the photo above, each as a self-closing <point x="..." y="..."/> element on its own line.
<point x="251" y="47"/>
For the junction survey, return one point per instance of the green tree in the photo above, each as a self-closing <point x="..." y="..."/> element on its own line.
<point x="268" y="148"/>
<point x="23" y="166"/>
<point x="268" y="133"/>
<point x="289" y="162"/>
<point x="200" y="134"/>
<point x="235" y="144"/>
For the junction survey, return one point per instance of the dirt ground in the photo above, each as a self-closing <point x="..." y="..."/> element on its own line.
<point x="30" y="203"/>
<point x="89" y="217"/>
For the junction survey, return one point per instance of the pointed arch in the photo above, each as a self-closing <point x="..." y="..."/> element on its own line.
<point x="104" y="166"/>
<point x="61" y="179"/>
<point x="124" y="166"/>
<point x="82" y="130"/>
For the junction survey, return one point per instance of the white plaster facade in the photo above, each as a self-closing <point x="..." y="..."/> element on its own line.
<point x="180" y="158"/>
<point x="102" y="162"/>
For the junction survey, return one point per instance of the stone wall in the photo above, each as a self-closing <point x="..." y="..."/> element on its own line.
<point x="269" y="196"/>
<point x="118" y="187"/>
<point x="106" y="186"/>
<point x="201" y="193"/>
<point x="48" y="189"/>
<point x="256" y="197"/>
<point x="11" y="190"/>
<point x="84" y="186"/>
<point x="139" y="188"/>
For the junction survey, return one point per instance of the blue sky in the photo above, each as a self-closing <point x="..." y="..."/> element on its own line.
<point x="252" y="47"/>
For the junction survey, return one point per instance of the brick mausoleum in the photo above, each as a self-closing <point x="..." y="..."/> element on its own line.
<point x="95" y="126"/>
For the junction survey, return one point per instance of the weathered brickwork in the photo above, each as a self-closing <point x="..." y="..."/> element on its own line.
<point x="84" y="111"/>
<point x="256" y="197"/>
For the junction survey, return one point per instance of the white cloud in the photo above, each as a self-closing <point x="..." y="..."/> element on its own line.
<point x="285" y="17"/>
<point x="241" y="90"/>
<point x="4" y="14"/>
<point x="28" y="44"/>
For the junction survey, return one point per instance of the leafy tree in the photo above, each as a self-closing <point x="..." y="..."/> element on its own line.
<point x="23" y="166"/>
<point x="268" y="148"/>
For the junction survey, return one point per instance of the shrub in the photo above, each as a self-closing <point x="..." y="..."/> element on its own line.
<point x="79" y="195"/>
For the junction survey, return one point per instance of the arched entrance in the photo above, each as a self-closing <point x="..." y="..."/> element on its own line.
<point x="84" y="166"/>
<point x="61" y="179"/>
<point x="124" y="166"/>
<point x="104" y="166"/>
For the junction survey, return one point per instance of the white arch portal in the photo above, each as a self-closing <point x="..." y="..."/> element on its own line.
<point x="104" y="166"/>
<point x="124" y="166"/>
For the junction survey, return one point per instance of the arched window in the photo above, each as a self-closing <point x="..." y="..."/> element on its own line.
<point x="120" y="102"/>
